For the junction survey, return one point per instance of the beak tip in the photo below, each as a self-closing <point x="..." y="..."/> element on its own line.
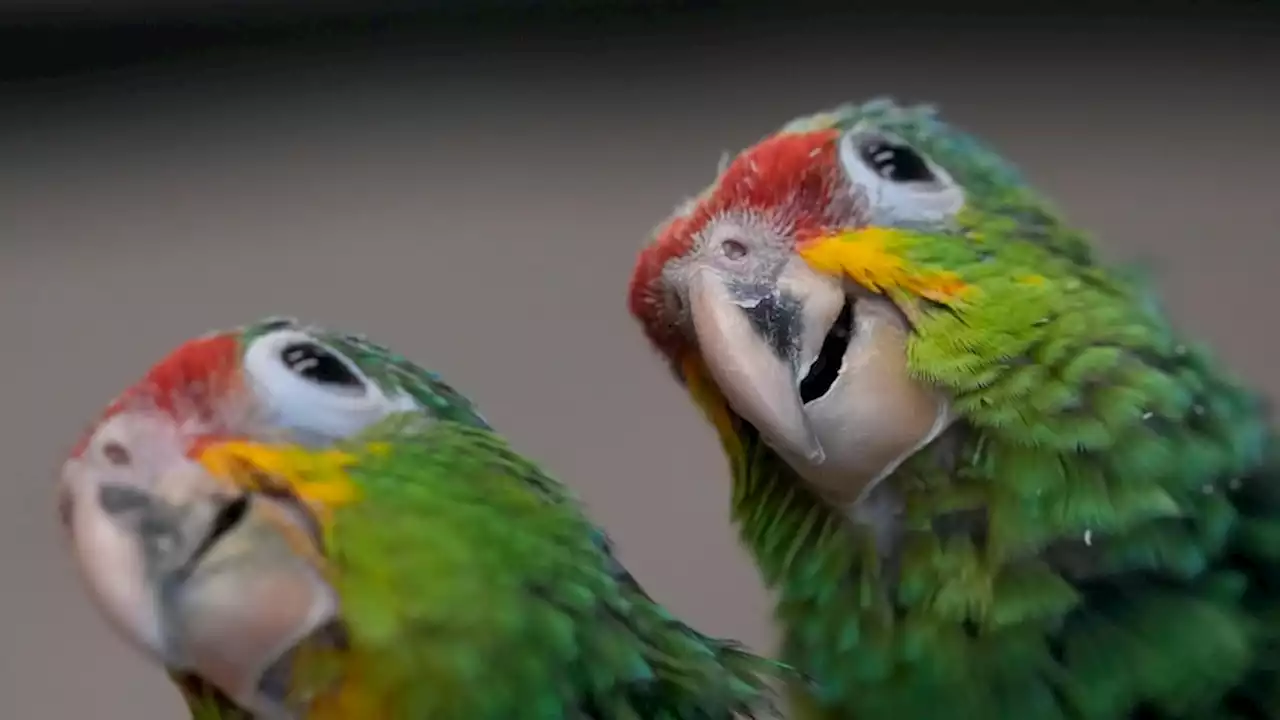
<point x="803" y="445"/>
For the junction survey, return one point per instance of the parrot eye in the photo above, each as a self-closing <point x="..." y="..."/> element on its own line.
<point x="895" y="161"/>
<point x="898" y="184"/>
<point x="318" y="365"/>
<point x="313" y="390"/>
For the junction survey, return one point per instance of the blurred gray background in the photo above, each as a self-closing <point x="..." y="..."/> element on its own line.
<point x="473" y="192"/>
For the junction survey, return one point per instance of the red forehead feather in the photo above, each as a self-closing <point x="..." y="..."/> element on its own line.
<point x="790" y="169"/>
<point x="194" y="374"/>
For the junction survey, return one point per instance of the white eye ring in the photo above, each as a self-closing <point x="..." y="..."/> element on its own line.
<point x="322" y="397"/>
<point x="891" y="203"/>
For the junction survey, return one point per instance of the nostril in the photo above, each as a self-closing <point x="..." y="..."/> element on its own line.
<point x="733" y="249"/>
<point x="116" y="454"/>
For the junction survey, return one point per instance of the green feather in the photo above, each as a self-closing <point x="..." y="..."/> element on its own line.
<point x="484" y="592"/>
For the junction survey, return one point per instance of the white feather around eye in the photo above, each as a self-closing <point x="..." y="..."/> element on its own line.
<point x="313" y="390"/>
<point x="926" y="196"/>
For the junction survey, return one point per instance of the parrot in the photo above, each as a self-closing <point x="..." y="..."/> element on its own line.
<point x="980" y="468"/>
<point x="298" y="523"/>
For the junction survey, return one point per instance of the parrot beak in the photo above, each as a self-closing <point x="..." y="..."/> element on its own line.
<point x="207" y="578"/>
<point x="817" y="363"/>
<point x="241" y="588"/>
<point x="752" y="339"/>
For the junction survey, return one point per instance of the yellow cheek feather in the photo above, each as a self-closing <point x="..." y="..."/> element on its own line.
<point x="317" y="477"/>
<point x="869" y="258"/>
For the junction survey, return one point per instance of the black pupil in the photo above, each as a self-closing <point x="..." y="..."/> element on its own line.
<point x="318" y="365"/>
<point x="896" y="162"/>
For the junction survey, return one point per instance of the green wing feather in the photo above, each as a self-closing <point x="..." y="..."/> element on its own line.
<point x="485" y="593"/>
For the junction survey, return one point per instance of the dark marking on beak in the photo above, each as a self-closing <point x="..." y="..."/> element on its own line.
<point x="778" y="320"/>
<point x="121" y="499"/>
<point x="153" y="519"/>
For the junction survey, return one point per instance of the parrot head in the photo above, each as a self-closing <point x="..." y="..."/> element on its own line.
<point x="864" y="279"/>
<point x="213" y="570"/>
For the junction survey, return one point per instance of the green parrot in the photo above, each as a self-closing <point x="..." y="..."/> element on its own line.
<point x="298" y="523"/>
<point x="981" y="470"/>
